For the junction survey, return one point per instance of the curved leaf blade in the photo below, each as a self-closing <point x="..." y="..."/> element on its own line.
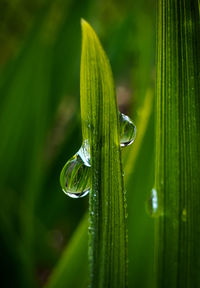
<point x="100" y="125"/>
<point x="68" y="265"/>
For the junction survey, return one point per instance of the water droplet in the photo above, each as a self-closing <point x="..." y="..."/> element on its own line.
<point x="184" y="215"/>
<point x="127" y="130"/>
<point x="75" y="175"/>
<point x="152" y="205"/>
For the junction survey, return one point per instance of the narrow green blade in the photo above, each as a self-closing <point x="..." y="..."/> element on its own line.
<point x="177" y="144"/>
<point x="107" y="231"/>
<point x="65" y="270"/>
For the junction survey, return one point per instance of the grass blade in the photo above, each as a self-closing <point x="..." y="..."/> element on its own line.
<point x="61" y="274"/>
<point x="177" y="144"/>
<point x="107" y="237"/>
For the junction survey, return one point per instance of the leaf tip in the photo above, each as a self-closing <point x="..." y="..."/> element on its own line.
<point x="84" y="23"/>
<point x="87" y="28"/>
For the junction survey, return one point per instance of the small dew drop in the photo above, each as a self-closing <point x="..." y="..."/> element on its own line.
<point x="127" y="130"/>
<point x="152" y="204"/>
<point x="75" y="175"/>
<point x="184" y="215"/>
<point x="84" y="153"/>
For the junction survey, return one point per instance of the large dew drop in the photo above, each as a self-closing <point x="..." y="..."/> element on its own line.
<point x="127" y="130"/>
<point x="75" y="175"/>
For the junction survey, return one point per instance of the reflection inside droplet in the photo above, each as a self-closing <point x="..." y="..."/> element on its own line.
<point x="127" y="130"/>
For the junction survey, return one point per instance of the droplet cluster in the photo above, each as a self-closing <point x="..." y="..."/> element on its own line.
<point x="75" y="175"/>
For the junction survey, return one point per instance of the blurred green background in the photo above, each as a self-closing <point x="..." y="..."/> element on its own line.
<point x="40" y="128"/>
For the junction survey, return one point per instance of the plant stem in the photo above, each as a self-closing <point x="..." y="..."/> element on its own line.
<point x="177" y="179"/>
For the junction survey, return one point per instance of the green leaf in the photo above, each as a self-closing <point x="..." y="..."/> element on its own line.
<point x="70" y="267"/>
<point x="177" y="171"/>
<point x="100" y="125"/>
<point x="61" y="276"/>
<point x="135" y="166"/>
<point x="139" y="164"/>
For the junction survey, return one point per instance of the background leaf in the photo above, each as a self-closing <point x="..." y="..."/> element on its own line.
<point x="177" y="149"/>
